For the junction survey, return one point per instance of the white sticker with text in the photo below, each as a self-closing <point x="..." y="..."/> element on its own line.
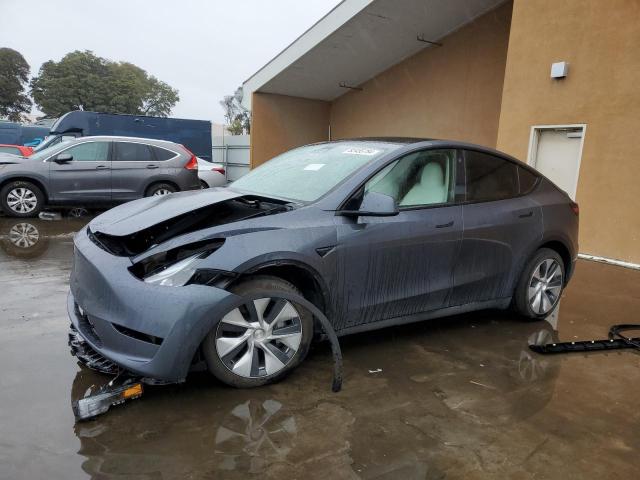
<point x="314" y="166"/>
<point x="361" y="151"/>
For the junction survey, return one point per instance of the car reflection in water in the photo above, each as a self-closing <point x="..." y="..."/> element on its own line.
<point x="29" y="238"/>
<point x="460" y="382"/>
<point x="254" y="434"/>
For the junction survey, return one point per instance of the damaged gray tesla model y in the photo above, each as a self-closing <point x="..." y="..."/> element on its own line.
<point x="374" y="232"/>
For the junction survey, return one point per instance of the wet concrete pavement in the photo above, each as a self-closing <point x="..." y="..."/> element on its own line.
<point x="454" y="398"/>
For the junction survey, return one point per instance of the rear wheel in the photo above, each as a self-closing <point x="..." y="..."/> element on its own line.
<point x="21" y="199"/>
<point x="261" y="341"/>
<point x="540" y="286"/>
<point x="158" y="189"/>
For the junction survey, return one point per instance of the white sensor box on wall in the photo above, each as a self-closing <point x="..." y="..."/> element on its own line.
<point x="559" y="69"/>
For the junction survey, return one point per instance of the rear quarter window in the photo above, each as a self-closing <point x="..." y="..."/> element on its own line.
<point x="489" y="177"/>
<point x="163" y="154"/>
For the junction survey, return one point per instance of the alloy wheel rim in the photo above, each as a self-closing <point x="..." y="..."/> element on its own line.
<point x="545" y="286"/>
<point x="24" y="235"/>
<point x="161" y="191"/>
<point x="259" y="338"/>
<point x="22" y="200"/>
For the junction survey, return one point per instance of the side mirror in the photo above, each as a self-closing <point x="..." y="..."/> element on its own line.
<point x="374" y="204"/>
<point x="63" y="158"/>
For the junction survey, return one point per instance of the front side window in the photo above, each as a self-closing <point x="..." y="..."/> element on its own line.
<point x="307" y="173"/>
<point x="489" y="178"/>
<point x="133" y="152"/>
<point x="420" y="178"/>
<point x="89" y="152"/>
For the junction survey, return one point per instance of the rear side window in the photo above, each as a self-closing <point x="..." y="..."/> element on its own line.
<point x="489" y="177"/>
<point x="12" y="150"/>
<point x="163" y="154"/>
<point x="133" y="152"/>
<point x="527" y="180"/>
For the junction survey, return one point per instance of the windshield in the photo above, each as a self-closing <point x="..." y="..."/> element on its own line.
<point x="307" y="173"/>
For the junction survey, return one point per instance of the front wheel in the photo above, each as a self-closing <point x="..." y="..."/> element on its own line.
<point x="261" y="341"/>
<point x="540" y="286"/>
<point x="21" y="199"/>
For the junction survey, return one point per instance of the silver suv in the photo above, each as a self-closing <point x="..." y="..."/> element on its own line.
<point x="95" y="171"/>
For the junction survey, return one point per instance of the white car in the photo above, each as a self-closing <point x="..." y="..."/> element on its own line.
<point x="211" y="174"/>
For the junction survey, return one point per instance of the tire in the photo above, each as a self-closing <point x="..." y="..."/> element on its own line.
<point x="227" y="367"/>
<point x="536" y="296"/>
<point x="203" y="184"/>
<point x="160" y="189"/>
<point x="29" y="197"/>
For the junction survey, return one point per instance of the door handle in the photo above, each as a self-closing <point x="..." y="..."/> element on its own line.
<point x="525" y="215"/>
<point x="101" y="167"/>
<point x="150" y="167"/>
<point x="445" y="225"/>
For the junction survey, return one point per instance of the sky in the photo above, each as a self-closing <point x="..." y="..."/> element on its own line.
<point x="204" y="48"/>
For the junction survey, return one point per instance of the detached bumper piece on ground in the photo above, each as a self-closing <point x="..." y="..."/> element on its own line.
<point x="615" y="341"/>
<point x="117" y="391"/>
<point x="126" y="386"/>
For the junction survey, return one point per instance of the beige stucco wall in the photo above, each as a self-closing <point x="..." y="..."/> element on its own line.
<point x="279" y="123"/>
<point x="452" y="92"/>
<point x="601" y="41"/>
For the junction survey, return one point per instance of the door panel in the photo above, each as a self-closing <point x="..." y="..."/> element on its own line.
<point x="132" y="164"/>
<point x="396" y="266"/>
<point x="498" y="237"/>
<point x="84" y="179"/>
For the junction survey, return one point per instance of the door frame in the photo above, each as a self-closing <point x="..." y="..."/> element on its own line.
<point x="534" y="139"/>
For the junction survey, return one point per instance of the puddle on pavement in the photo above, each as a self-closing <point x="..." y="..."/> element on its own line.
<point x="459" y="397"/>
<point x="29" y="238"/>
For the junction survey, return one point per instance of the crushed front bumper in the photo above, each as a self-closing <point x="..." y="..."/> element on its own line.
<point x="151" y="331"/>
<point x="87" y="355"/>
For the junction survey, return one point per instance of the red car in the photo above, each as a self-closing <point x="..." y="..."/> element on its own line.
<point x="16" y="150"/>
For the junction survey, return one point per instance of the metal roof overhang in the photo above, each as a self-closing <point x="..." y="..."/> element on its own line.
<point x="356" y="41"/>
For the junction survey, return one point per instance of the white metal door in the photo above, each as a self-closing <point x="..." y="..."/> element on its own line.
<point x="556" y="154"/>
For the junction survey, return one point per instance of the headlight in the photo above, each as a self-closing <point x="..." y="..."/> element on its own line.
<point x="176" y="274"/>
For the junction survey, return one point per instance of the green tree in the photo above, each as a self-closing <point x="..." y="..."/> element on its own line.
<point x="14" y="75"/>
<point x="159" y="98"/>
<point x="84" y="80"/>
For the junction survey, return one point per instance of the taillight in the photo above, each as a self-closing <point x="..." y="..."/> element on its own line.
<point x="576" y="208"/>
<point x="218" y="169"/>
<point x="192" y="164"/>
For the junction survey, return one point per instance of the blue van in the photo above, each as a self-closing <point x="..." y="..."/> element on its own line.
<point x="193" y="134"/>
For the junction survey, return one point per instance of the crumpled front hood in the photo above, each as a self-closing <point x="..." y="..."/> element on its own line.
<point x="141" y="214"/>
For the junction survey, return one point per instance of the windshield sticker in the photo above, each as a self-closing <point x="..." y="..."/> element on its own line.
<point x="314" y="166"/>
<point x="361" y="151"/>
